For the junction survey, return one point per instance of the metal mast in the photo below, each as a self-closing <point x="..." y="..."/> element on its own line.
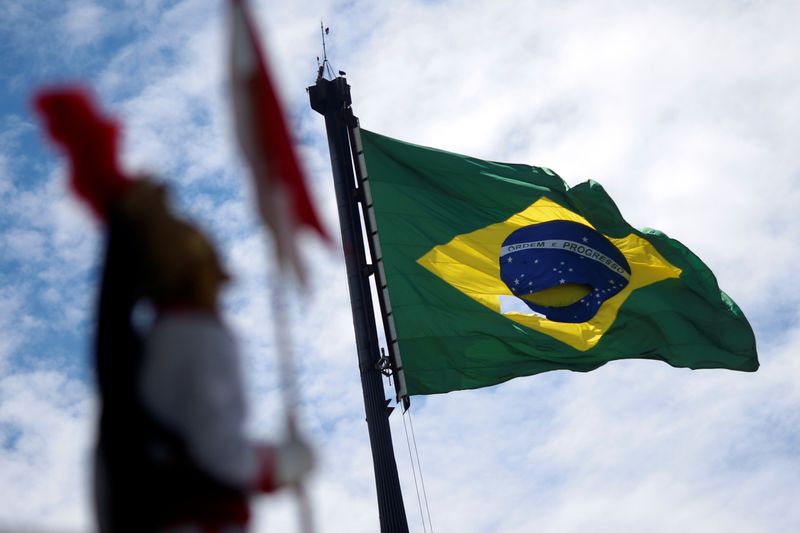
<point x="331" y="98"/>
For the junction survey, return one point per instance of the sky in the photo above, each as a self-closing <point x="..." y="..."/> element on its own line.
<point x="687" y="112"/>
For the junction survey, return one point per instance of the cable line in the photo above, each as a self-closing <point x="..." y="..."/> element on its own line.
<point x="419" y="465"/>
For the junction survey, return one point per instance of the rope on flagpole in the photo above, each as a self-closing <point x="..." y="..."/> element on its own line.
<point x="419" y="466"/>
<point x="414" y="473"/>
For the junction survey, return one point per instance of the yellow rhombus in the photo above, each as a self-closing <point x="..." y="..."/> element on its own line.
<point x="470" y="263"/>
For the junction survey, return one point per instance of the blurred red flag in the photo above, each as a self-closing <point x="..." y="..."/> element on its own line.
<point x="283" y="200"/>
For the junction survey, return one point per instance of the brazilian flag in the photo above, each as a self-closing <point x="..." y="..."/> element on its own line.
<point x="496" y="271"/>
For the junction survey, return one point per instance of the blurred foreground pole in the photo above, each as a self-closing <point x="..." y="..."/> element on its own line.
<point x="331" y="98"/>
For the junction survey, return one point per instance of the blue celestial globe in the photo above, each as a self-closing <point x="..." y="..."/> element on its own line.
<point x="563" y="253"/>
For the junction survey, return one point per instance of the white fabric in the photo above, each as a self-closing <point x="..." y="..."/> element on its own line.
<point x="513" y="305"/>
<point x="191" y="382"/>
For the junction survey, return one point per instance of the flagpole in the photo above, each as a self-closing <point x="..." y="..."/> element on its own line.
<point x="288" y="382"/>
<point x="331" y="98"/>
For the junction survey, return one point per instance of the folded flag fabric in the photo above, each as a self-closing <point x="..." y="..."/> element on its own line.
<point x="498" y="270"/>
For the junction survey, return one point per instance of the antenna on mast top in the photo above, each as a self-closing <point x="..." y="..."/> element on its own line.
<point x="325" y="65"/>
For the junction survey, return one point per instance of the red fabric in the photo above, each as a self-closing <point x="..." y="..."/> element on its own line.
<point x="272" y="137"/>
<point x="90" y="140"/>
<point x="266" y="469"/>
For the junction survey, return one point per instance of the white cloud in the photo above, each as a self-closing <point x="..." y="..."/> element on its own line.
<point x="11" y="302"/>
<point x="5" y="175"/>
<point x="46" y="422"/>
<point x="25" y="245"/>
<point x="85" y="22"/>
